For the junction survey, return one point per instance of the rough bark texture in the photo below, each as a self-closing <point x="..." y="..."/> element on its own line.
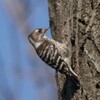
<point x="76" y="24"/>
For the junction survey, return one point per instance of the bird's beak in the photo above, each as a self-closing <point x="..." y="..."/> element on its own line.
<point x="46" y="30"/>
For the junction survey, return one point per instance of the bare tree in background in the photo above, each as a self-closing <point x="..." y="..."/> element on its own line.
<point x="76" y="24"/>
<point x="19" y="11"/>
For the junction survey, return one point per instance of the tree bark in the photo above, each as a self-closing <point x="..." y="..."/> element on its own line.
<point x="76" y="24"/>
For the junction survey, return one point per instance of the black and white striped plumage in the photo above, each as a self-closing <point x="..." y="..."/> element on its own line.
<point x="48" y="51"/>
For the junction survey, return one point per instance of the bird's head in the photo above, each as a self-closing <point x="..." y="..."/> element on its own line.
<point x="37" y="36"/>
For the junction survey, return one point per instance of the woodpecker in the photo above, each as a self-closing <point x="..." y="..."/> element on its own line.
<point x="47" y="50"/>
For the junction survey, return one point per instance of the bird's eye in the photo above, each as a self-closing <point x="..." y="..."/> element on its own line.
<point x="40" y="30"/>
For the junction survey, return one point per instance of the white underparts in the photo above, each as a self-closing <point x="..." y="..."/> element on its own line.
<point x="36" y="44"/>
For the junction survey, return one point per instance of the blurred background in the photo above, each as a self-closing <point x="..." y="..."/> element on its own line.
<point x="23" y="76"/>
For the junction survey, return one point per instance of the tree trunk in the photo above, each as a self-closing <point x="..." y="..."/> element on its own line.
<point x="76" y="24"/>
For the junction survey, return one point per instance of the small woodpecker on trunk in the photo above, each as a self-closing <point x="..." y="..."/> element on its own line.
<point x="47" y="50"/>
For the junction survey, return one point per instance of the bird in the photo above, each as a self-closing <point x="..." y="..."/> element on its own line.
<point x="48" y="51"/>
